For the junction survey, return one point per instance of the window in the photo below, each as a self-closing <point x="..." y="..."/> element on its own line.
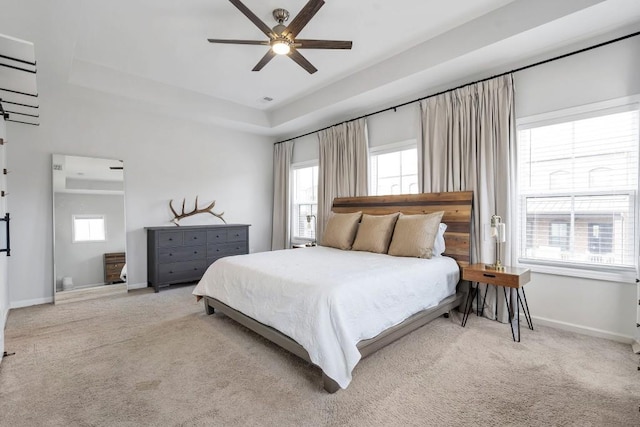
<point x="578" y="179"/>
<point x="88" y="228"/>
<point x="394" y="169"/>
<point x="304" y="201"/>
<point x="559" y="236"/>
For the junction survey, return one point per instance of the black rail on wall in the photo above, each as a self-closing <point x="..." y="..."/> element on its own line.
<point x="28" y="67"/>
<point x="7" y="249"/>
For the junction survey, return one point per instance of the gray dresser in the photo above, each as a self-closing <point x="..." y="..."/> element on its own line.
<point x="182" y="254"/>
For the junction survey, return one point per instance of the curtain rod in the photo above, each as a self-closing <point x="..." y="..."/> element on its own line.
<point x="545" y="61"/>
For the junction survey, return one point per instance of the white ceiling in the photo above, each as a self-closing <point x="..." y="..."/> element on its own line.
<point x="75" y="174"/>
<point x="156" y="53"/>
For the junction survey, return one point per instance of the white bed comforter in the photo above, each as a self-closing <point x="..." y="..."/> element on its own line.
<point x="327" y="299"/>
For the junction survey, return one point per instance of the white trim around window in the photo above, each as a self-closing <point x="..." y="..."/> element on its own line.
<point x="88" y="228"/>
<point x="617" y="273"/>
<point x="393" y="147"/>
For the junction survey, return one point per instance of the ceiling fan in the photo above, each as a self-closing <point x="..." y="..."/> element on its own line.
<point x="282" y="40"/>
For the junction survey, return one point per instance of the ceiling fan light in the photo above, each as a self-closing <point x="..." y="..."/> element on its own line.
<point x="281" y="47"/>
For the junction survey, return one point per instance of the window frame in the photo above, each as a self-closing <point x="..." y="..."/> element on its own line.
<point x="393" y="147"/>
<point x="597" y="272"/>
<point x="88" y="217"/>
<point x="293" y="239"/>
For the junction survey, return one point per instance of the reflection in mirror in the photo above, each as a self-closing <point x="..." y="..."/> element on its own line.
<point x="89" y="227"/>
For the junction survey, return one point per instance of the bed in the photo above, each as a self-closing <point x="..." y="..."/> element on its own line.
<point x="333" y="307"/>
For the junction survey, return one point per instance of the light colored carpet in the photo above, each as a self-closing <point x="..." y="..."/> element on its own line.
<point x="157" y="359"/>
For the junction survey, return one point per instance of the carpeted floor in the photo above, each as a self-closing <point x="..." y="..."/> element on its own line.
<point x="157" y="359"/>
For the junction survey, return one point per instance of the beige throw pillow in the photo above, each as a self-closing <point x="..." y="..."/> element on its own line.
<point x="374" y="233"/>
<point x="414" y="235"/>
<point x="341" y="230"/>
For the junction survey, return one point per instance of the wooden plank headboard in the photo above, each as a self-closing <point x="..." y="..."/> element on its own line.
<point x="457" y="207"/>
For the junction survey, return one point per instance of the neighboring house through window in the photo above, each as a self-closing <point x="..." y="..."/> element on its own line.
<point x="577" y="185"/>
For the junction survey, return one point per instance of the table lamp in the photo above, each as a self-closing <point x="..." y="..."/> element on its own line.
<point x="498" y="232"/>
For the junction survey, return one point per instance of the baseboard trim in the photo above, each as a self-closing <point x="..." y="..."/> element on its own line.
<point x="30" y="302"/>
<point x="636" y="346"/>
<point x="137" y="286"/>
<point x="584" y="330"/>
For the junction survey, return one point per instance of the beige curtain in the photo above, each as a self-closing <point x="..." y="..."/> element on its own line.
<point x="281" y="229"/>
<point x="343" y="166"/>
<point x="468" y="143"/>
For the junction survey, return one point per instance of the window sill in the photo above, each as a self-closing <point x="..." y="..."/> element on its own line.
<point x="620" y="275"/>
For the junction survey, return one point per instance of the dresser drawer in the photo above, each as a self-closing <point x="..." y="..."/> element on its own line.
<point x="236" y="234"/>
<point x="180" y="276"/>
<point x="176" y="271"/>
<point x="181" y="253"/>
<point x="170" y="238"/>
<point x="116" y="257"/>
<point x="114" y="268"/>
<point x="195" y="238"/>
<point x="217" y="236"/>
<point x="225" y="249"/>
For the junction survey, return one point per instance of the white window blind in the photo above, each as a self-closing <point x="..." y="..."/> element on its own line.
<point x="304" y="202"/>
<point x="578" y="181"/>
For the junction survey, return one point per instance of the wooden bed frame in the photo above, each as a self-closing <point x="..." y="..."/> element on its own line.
<point x="457" y="207"/>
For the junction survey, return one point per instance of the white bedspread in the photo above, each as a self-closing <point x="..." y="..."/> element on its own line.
<point x="327" y="299"/>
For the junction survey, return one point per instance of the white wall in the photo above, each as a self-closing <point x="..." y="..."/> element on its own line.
<point x="164" y="159"/>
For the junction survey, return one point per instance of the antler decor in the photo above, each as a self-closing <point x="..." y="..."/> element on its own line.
<point x="208" y="209"/>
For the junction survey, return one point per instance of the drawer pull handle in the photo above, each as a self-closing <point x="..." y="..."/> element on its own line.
<point x="195" y="238"/>
<point x="195" y="252"/>
<point x="217" y="236"/>
<point x="489" y="275"/>
<point x="237" y="235"/>
<point x="170" y="254"/>
<point x="170" y="239"/>
<point x="195" y="268"/>
<point x="170" y="272"/>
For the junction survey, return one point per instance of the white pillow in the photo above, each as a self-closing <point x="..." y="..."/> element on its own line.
<point x="438" y="246"/>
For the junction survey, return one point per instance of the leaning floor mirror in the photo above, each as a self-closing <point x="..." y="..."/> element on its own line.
<point x="89" y="233"/>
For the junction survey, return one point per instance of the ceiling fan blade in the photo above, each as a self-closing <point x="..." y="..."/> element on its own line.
<point x="303" y="18"/>
<point x="302" y="61"/>
<point x="253" y="18"/>
<point x="323" y="44"/>
<point x="265" y="59"/>
<point x="256" y="42"/>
